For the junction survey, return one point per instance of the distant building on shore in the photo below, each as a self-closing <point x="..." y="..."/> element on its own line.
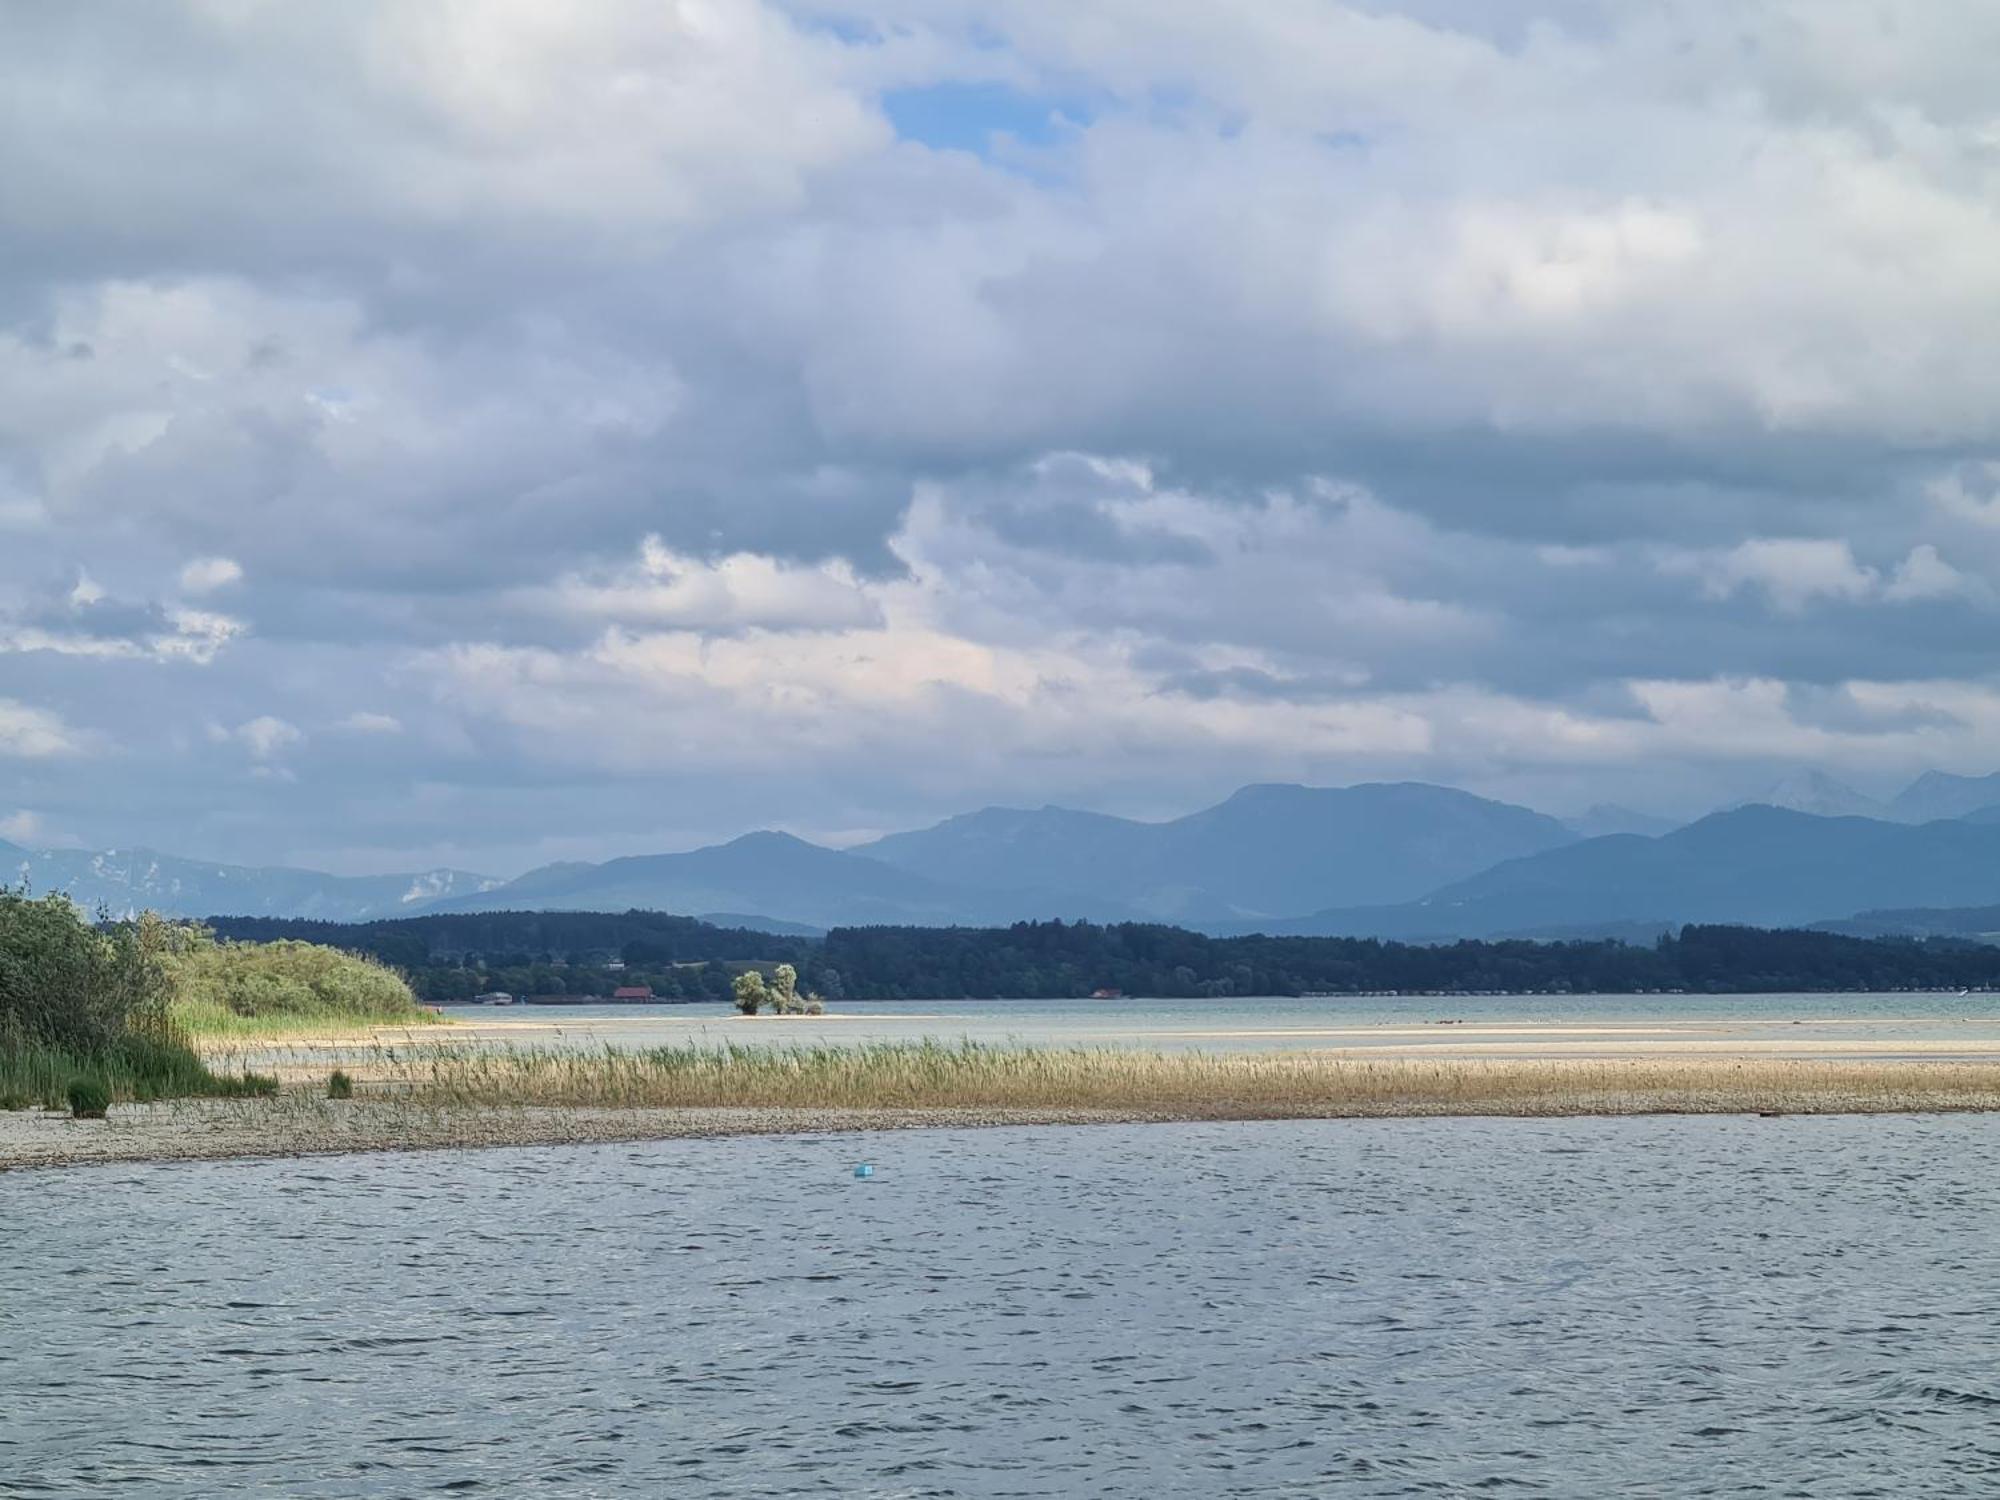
<point x="633" y="992"/>
<point x="493" y="997"/>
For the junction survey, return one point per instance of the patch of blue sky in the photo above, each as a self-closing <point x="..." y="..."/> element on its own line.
<point x="833" y="21"/>
<point x="972" y="116"/>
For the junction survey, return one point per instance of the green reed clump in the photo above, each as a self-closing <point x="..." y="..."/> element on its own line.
<point x="138" y="1069"/>
<point x="339" y="1085"/>
<point x="88" y="1098"/>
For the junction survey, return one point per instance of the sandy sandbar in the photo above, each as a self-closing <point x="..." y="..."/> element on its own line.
<point x="295" y="1124"/>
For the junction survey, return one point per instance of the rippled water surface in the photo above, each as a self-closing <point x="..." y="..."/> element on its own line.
<point x="1888" y="1024"/>
<point x="1670" y="1307"/>
<point x="1055" y="1020"/>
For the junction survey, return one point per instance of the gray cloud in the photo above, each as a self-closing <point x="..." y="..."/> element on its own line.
<point x="1583" y="401"/>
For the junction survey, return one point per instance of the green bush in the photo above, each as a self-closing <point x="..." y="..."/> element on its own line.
<point x="215" y="982"/>
<point x="339" y="1086"/>
<point x="90" y="1014"/>
<point x="68" y="984"/>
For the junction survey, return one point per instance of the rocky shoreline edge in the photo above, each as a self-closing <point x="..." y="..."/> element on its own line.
<point x="221" y="1130"/>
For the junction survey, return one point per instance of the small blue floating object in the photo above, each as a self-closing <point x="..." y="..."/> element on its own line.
<point x="864" y="1169"/>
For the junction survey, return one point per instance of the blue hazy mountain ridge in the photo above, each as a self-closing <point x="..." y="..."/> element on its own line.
<point x="1383" y="859"/>
<point x="1760" y="865"/>
<point x="1269" y="850"/>
<point x="1051" y="847"/>
<point x="1609" y="817"/>
<point x="786" y="879"/>
<point x="752" y="922"/>
<point x="125" y="881"/>
<point x="1818" y="793"/>
<point x="1977" y="922"/>
<point x="1933" y="795"/>
<point x="1939" y="794"/>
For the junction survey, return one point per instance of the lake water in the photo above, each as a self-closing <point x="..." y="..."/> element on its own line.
<point x="1884" y="1025"/>
<point x="1665" y="1307"/>
<point x="1051" y="1017"/>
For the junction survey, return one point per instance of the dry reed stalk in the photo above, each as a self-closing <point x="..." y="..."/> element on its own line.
<point x="1196" y="1085"/>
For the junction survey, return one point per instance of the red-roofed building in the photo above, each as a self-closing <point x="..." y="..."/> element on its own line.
<point x="633" y="992"/>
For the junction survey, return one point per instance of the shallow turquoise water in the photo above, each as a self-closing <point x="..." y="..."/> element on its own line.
<point x="1886" y="1023"/>
<point x="1579" y="1308"/>
<point x="1343" y="1010"/>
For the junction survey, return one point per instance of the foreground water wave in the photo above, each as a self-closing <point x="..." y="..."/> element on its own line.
<point x="1719" y="1306"/>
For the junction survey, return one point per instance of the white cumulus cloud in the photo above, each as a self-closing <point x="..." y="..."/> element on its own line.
<point x="265" y="736"/>
<point x="204" y="575"/>
<point x="34" y="733"/>
<point x="365" y="722"/>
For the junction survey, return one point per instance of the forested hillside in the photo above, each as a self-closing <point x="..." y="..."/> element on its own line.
<point x="592" y="954"/>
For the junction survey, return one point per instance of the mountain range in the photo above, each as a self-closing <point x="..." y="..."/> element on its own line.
<point x="1261" y="854"/>
<point x="1759" y="865"/>
<point x="124" y="882"/>
<point x="1933" y="795"/>
<point x="1401" y="859"/>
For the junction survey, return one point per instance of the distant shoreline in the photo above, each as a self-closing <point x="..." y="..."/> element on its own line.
<point x="570" y="1001"/>
<point x="300" y="1123"/>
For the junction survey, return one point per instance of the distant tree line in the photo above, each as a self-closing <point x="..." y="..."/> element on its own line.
<point x="1056" y="959"/>
<point x="453" y="957"/>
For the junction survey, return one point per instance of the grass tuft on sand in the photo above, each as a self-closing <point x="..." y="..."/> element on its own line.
<point x="211" y="1023"/>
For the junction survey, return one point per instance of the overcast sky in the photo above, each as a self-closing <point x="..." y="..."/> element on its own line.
<point x="493" y="432"/>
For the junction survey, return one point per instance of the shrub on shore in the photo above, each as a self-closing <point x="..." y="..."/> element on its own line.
<point x="88" y="1098"/>
<point x="94" y="1004"/>
<point x="65" y="983"/>
<point x="781" y="993"/>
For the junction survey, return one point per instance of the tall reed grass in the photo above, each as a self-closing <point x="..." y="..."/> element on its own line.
<point x="139" y="1069"/>
<point x="207" y="1019"/>
<point x="932" y="1075"/>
